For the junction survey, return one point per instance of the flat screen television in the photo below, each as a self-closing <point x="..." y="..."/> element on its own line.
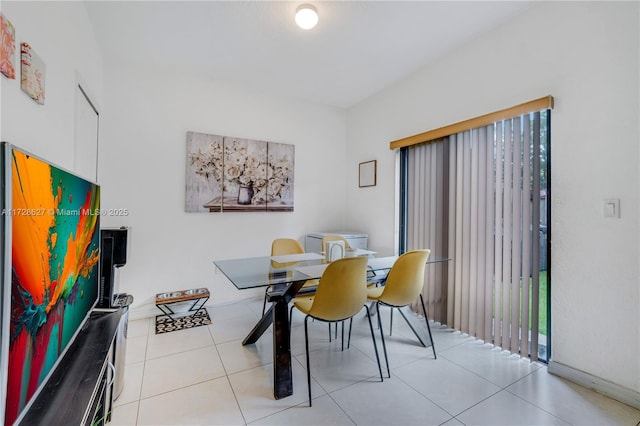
<point x="50" y="253"/>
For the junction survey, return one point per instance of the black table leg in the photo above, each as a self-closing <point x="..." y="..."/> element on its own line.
<point x="278" y="314"/>
<point x="282" y="370"/>
<point x="259" y="329"/>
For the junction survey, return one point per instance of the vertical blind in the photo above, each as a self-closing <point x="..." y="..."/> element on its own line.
<point x="475" y="195"/>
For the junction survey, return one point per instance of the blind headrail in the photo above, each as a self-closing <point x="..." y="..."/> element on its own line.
<point x="481" y="121"/>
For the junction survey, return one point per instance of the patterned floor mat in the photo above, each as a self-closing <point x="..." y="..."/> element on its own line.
<point x="165" y="324"/>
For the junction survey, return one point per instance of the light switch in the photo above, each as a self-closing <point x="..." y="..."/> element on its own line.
<point x="612" y="208"/>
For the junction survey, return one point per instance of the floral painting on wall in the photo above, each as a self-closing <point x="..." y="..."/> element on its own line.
<point x="232" y="174"/>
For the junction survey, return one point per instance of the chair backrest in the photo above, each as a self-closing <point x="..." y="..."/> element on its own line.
<point x="342" y="290"/>
<point x="406" y="278"/>
<point x="334" y="237"/>
<point x="283" y="246"/>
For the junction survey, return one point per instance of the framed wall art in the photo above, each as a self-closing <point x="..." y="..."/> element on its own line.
<point x="7" y="47"/>
<point x="367" y="174"/>
<point x="32" y="73"/>
<point x="226" y="173"/>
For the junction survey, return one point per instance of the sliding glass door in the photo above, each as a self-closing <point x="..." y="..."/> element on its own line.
<point x="481" y="196"/>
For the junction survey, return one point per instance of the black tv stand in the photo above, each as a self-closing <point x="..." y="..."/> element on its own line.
<point x="79" y="390"/>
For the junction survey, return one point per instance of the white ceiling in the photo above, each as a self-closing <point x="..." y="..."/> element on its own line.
<point x="357" y="49"/>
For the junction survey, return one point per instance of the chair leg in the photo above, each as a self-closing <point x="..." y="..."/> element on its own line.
<point x="375" y="346"/>
<point x="350" y="324"/>
<point x="342" y="334"/>
<point x="391" y="322"/>
<point x="329" y="332"/>
<point x="384" y="346"/>
<point x="433" y="346"/>
<point x="306" y="342"/>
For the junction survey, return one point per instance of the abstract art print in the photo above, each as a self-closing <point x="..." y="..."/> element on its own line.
<point x="7" y="47"/>
<point x="233" y="174"/>
<point x="32" y="73"/>
<point x="53" y="283"/>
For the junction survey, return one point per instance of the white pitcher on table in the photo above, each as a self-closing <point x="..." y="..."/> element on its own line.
<point x="334" y="250"/>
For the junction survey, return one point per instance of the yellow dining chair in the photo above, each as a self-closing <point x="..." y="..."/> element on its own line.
<point x="341" y="294"/>
<point x="328" y="238"/>
<point x="280" y="247"/>
<point x="372" y="278"/>
<point x="402" y="287"/>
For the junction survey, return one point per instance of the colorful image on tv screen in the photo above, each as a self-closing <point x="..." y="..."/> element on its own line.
<point x="55" y="250"/>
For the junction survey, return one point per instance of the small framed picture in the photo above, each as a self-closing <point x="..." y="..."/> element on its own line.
<point x="367" y="174"/>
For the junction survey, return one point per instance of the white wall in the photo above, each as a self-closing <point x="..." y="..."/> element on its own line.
<point x="586" y="55"/>
<point x="60" y="33"/>
<point x="142" y="168"/>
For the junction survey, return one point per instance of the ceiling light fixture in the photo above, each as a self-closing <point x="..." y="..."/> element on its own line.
<point x="306" y="16"/>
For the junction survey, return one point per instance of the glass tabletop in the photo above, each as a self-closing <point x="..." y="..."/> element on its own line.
<point x="263" y="271"/>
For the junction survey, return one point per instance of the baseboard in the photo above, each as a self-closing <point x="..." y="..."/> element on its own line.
<point x="143" y="312"/>
<point x="603" y="386"/>
<point x="150" y="310"/>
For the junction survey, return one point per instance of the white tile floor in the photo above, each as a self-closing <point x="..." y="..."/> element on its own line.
<point x="204" y="376"/>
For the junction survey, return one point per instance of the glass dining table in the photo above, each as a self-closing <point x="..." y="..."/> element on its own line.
<point x="285" y="276"/>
